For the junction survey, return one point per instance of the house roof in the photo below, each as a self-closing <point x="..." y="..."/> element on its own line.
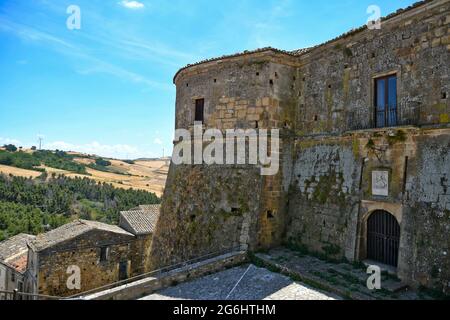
<point x="20" y="262"/>
<point x="71" y="231"/>
<point x="14" y="251"/>
<point x="141" y="220"/>
<point x="155" y="208"/>
<point x="300" y="52"/>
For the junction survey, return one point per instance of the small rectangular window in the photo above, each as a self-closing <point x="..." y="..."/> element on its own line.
<point x="199" y="110"/>
<point x="104" y="253"/>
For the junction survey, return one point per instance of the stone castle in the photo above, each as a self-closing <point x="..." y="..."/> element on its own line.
<point x="365" y="151"/>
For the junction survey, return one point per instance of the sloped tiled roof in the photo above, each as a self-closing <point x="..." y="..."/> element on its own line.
<point x="155" y="208"/>
<point x="19" y="263"/>
<point x="71" y="231"/>
<point x="14" y="251"/>
<point x="141" y="220"/>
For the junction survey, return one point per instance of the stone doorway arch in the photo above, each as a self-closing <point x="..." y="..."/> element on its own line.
<point x="383" y="238"/>
<point x="369" y="207"/>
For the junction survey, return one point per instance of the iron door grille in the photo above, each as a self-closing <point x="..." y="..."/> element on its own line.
<point x="383" y="238"/>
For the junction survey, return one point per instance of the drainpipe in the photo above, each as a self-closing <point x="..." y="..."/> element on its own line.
<point x="358" y="224"/>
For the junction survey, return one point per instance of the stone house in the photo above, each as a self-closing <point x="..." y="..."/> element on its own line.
<point x="100" y="252"/>
<point x="141" y="222"/>
<point x="13" y="263"/>
<point x="103" y="254"/>
<point x="364" y="122"/>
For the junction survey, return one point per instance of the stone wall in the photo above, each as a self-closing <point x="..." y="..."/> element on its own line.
<point x="237" y="92"/>
<point x="427" y="218"/>
<point x="84" y="252"/>
<point x="206" y="209"/>
<point x="337" y="79"/>
<point x="331" y="198"/>
<point x="324" y="197"/>
<point x="140" y="254"/>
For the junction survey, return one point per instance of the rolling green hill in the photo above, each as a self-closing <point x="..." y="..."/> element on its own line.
<point x="32" y="160"/>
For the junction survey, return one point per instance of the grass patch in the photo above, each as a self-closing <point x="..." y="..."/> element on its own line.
<point x="398" y="137"/>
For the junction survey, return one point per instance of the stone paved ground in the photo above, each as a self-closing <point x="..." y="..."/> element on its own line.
<point x="256" y="284"/>
<point x="345" y="279"/>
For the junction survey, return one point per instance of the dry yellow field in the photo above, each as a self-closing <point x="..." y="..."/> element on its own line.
<point x="149" y="175"/>
<point x="19" y="172"/>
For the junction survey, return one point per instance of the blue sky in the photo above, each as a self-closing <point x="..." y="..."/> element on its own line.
<point x="107" y="88"/>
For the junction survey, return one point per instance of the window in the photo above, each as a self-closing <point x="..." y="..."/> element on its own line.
<point x="13" y="277"/>
<point x="199" y="110"/>
<point x="104" y="253"/>
<point x="386" y="101"/>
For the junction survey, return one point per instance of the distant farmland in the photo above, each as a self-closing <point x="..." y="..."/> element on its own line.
<point x="147" y="174"/>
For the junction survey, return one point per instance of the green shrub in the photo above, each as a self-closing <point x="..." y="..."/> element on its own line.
<point x="5" y="159"/>
<point x="102" y="162"/>
<point x="10" y="147"/>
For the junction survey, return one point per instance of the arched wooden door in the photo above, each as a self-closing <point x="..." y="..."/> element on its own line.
<point x="383" y="238"/>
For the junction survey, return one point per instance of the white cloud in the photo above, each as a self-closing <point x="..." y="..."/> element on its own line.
<point x="132" y="4"/>
<point x="9" y="141"/>
<point x="115" y="151"/>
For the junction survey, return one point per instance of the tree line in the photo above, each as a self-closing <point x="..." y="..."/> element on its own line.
<point x="58" y="159"/>
<point x="30" y="161"/>
<point x="35" y="205"/>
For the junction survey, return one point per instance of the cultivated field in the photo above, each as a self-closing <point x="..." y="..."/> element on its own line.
<point x="148" y="175"/>
<point x="18" y="172"/>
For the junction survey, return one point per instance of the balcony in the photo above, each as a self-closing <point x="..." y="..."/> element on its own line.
<point x="383" y="117"/>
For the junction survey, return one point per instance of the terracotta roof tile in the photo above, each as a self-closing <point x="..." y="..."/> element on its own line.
<point x="20" y="263"/>
<point x="14" y="251"/>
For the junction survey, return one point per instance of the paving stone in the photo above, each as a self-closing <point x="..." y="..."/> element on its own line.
<point x="257" y="284"/>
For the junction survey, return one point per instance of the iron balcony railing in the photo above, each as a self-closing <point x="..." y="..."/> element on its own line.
<point x="383" y="117"/>
<point x="386" y="117"/>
